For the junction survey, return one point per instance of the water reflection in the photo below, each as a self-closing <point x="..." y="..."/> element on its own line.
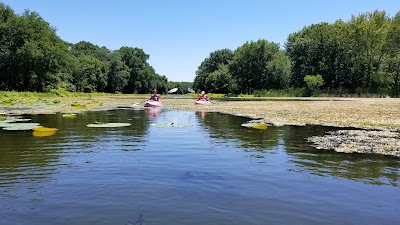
<point x="100" y="176"/>
<point x="229" y="128"/>
<point x="25" y="157"/>
<point x="371" y="169"/>
<point x="153" y="111"/>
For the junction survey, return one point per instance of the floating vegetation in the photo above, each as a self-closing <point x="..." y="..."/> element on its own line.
<point x="256" y="124"/>
<point x="44" y="131"/>
<point x="94" y="102"/>
<point x="69" y="115"/>
<point x="359" y="141"/>
<point x="108" y="125"/>
<point x="6" y="123"/>
<point x="77" y="105"/>
<point x="177" y="125"/>
<point x="20" y="126"/>
<point x="2" y="118"/>
<point x="21" y="120"/>
<point x="43" y="134"/>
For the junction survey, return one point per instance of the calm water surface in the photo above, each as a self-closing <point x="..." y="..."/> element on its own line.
<point x="212" y="172"/>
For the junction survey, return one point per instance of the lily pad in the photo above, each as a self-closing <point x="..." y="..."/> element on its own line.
<point x="21" y="120"/>
<point x="5" y="124"/>
<point x="44" y="129"/>
<point x="261" y="126"/>
<point x="177" y="125"/>
<point x="70" y="115"/>
<point x="43" y="134"/>
<point x="21" y="126"/>
<point x="105" y="125"/>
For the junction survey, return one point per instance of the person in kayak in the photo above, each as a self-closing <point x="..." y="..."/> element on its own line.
<point x="202" y="96"/>
<point x="155" y="96"/>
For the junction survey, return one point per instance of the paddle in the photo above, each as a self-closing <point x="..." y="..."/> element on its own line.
<point x="136" y="104"/>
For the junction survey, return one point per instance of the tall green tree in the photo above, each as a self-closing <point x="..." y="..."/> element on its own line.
<point x="210" y="65"/>
<point x="393" y="49"/>
<point x="143" y="77"/>
<point x="251" y="65"/>
<point x="221" y="81"/>
<point x="369" y="36"/>
<point x="90" y="75"/>
<point x="118" y="76"/>
<point x="33" y="57"/>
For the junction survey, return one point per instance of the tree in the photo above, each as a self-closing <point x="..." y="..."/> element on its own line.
<point x="220" y="81"/>
<point x="249" y="65"/>
<point x="118" y="76"/>
<point x="90" y="74"/>
<point x="33" y="57"/>
<point x="314" y="82"/>
<point x="209" y="65"/>
<point x="369" y="36"/>
<point x="393" y="49"/>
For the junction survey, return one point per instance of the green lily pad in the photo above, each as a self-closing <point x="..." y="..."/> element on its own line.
<point x="105" y="125"/>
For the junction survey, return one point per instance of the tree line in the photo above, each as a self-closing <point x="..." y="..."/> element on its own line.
<point x="359" y="56"/>
<point x="34" y="58"/>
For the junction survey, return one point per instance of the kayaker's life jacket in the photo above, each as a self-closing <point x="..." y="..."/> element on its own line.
<point x="154" y="98"/>
<point x="202" y="97"/>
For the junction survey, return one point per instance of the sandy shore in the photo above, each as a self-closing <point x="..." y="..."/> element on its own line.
<point x="381" y="114"/>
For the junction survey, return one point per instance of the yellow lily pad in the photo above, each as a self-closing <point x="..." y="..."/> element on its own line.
<point x="70" y="115"/>
<point x="43" y="133"/>
<point x="260" y="126"/>
<point x="45" y="129"/>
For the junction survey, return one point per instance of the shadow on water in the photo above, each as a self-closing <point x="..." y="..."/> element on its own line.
<point x="372" y="169"/>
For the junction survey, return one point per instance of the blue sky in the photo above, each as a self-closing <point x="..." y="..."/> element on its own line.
<point x="179" y="34"/>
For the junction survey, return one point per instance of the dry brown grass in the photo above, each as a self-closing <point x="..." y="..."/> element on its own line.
<point x="368" y="113"/>
<point x="382" y="114"/>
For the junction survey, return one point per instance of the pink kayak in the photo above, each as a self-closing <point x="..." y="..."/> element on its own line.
<point x="150" y="103"/>
<point x="202" y="102"/>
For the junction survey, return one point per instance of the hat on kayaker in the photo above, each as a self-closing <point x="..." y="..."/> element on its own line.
<point x="202" y="92"/>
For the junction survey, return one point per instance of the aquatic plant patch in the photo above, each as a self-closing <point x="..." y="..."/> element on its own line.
<point x="359" y="141"/>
